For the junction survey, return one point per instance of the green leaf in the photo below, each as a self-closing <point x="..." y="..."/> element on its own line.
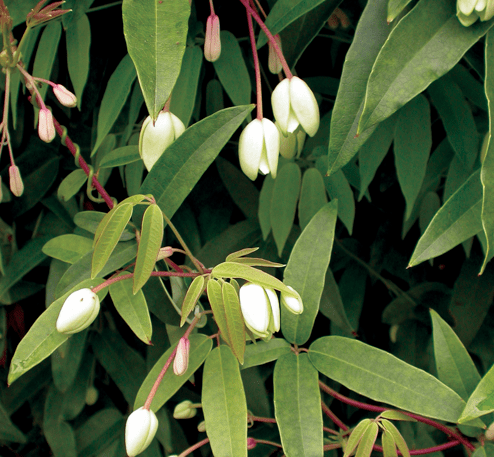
<point x="382" y="377"/>
<point x="264" y="212"/>
<point x="133" y="309"/>
<point x="156" y="35"/>
<point x="200" y="346"/>
<point x="22" y="262"/>
<point x="414" y="56"/>
<point x="116" y="93"/>
<point x="429" y="207"/>
<point x="234" y="320"/>
<point x="182" y="164"/>
<point x="255" y="262"/>
<point x="232" y="71"/>
<point x="215" y="298"/>
<point x="471" y="88"/>
<point x="395" y="7"/>
<point x="454" y="365"/>
<point x="371" y="33"/>
<point x="120" y="156"/>
<point x="68" y="248"/>
<point x="224" y="404"/>
<point x="412" y="146"/>
<point x="109" y="237"/>
<point x="149" y="246"/>
<point x="43" y="338"/>
<point x="397" y="438"/>
<point x="193" y="293"/>
<point x="284" y="203"/>
<point x="367" y="441"/>
<point x="480" y="401"/>
<point x="185" y="89"/>
<point x="297" y="406"/>
<point x="234" y="256"/>
<point x="78" y="39"/>
<point x="71" y="184"/>
<point x="356" y="436"/>
<point x="306" y="270"/>
<point x="312" y="196"/>
<point x="265" y="351"/>
<point x="90" y="220"/>
<point x="396" y="416"/>
<point x="8" y="431"/>
<point x="456" y="221"/>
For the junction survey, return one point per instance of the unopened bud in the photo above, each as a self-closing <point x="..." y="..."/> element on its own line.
<point x="46" y="128"/>
<point x="341" y="15"/>
<point x="489" y="433"/>
<point x="274" y="62"/>
<point x="16" y="184"/>
<point x="92" y="395"/>
<point x="184" y="410"/>
<point x="212" y="43"/>
<point x="164" y="253"/>
<point x="64" y="96"/>
<point x="140" y="430"/>
<point x="181" y="362"/>
<point x="251" y="443"/>
<point x="201" y="427"/>
<point x="333" y="22"/>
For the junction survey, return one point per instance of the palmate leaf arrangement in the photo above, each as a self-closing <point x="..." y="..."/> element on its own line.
<point x="126" y="257"/>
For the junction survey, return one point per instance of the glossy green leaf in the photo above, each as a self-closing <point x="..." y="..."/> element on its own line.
<point x="182" y="164"/>
<point x="395" y="7"/>
<point x="156" y="35"/>
<point x="457" y="220"/>
<point x="232" y="71"/>
<point x="306" y="270"/>
<point x="200" y="346"/>
<point x="68" y="248"/>
<point x="312" y="196"/>
<point x="120" y="156"/>
<point x="265" y="351"/>
<point x="284" y="203"/>
<point x="78" y="39"/>
<point x="367" y="441"/>
<point x="109" y="237"/>
<point x="297" y="406"/>
<point x="149" y="246"/>
<point x="116" y="93"/>
<point x="356" y="436"/>
<point x="215" y="298"/>
<point x="42" y="338"/>
<point x="224" y="404"/>
<point x="133" y="309"/>
<point x="415" y="55"/>
<point x="193" y="293"/>
<point x="185" y="89"/>
<point x="471" y="88"/>
<point x="264" y="212"/>
<point x="90" y="220"/>
<point x="371" y="33"/>
<point x="454" y="365"/>
<point x="382" y="377"/>
<point x="412" y="147"/>
<point x="235" y="320"/>
<point x="480" y="401"/>
<point x="71" y="184"/>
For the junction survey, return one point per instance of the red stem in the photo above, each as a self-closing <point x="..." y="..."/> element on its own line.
<point x="333" y="417"/>
<point x="256" y="66"/>
<point x="157" y="383"/>
<point x="429" y="450"/>
<point x="194" y="447"/>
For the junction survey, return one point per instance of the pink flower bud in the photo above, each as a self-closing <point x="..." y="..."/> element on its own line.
<point x="164" y="253"/>
<point x="251" y="443"/>
<point x="64" y="96"/>
<point x="181" y="362"/>
<point x="341" y="15"/>
<point x="212" y="43"/>
<point x="274" y="62"/>
<point x="16" y="184"/>
<point x="46" y="129"/>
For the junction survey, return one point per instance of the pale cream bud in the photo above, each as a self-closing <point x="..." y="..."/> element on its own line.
<point x="292" y="304"/>
<point x="274" y="62"/>
<point x="181" y="362"/>
<point x="212" y="43"/>
<point x="46" y="128"/>
<point x="64" y="96"/>
<point x="184" y="410"/>
<point x="16" y="184"/>
<point x="140" y="429"/>
<point x="78" y="311"/>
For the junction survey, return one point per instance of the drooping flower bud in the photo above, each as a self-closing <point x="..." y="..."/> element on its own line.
<point x="292" y="304"/>
<point x="140" y="429"/>
<point x="184" y="410"/>
<point x="212" y="43"/>
<point x="78" y="311"/>
<point x="274" y="62"/>
<point x="154" y="139"/>
<point x="294" y="104"/>
<point x="251" y="443"/>
<point x="64" y="96"/>
<point x="16" y="184"/>
<point x="292" y="144"/>
<point x="164" y="253"/>
<point x="259" y="148"/>
<point x="181" y="362"/>
<point x="46" y="128"/>
<point x="201" y="427"/>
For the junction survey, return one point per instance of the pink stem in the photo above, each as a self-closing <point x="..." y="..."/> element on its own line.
<point x="256" y="66"/>
<point x="333" y="417"/>
<point x="429" y="450"/>
<point x="157" y="383"/>
<point x="194" y="447"/>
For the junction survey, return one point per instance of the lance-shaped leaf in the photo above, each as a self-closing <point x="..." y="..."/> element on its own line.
<point x="193" y="293"/>
<point x="306" y="270"/>
<point x="234" y="320"/>
<point x="397" y="438"/>
<point x="149" y="246"/>
<point x="383" y="377"/>
<point x="265" y="351"/>
<point x="264" y="212"/>
<point x="243" y="252"/>
<point x="395" y="7"/>
<point x="356" y="436"/>
<point x="297" y="406"/>
<point x="71" y="184"/>
<point x="224" y="404"/>
<point x="414" y="56"/>
<point x="121" y="156"/>
<point x="156" y="34"/>
<point x="215" y="298"/>
<point x="109" y="237"/>
<point x="367" y="441"/>
<point x="68" y="248"/>
<point x="481" y="401"/>
<point x="312" y="196"/>
<point x="255" y="262"/>
<point x="388" y="444"/>
<point x="200" y="346"/>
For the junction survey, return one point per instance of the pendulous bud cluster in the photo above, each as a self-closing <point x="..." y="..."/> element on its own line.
<point x="468" y="11"/>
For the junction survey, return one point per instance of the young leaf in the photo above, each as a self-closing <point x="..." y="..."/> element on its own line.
<point x="297" y="406"/>
<point x="149" y="246"/>
<point x="396" y="416"/>
<point x="397" y="438"/>
<point x="255" y="262"/>
<point x="388" y="443"/>
<point x="312" y="196"/>
<point x="109" y="237"/>
<point x="215" y="298"/>
<point x="68" y="248"/>
<point x="120" y="156"/>
<point x="224" y="404"/>
<point x="236" y="255"/>
<point x="71" y="185"/>
<point x="235" y="321"/>
<point x="306" y="270"/>
<point x="193" y="293"/>
<point x="265" y="351"/>
<point x="368" y="439"/>
<point x="356" y="436"/>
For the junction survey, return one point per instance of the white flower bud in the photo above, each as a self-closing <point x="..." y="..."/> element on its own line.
<point x="184" y="410"/>
<point x="181" y="362"/>
<point x="78" y="311"/>
<point x="140" y="429"/>
<point x="292" y="304"/>
<point x="292" y="144"/>
<point x="64" y="96"/>
<point x="16" y="184"/>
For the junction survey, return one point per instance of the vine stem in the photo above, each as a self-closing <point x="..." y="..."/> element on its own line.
<point x="256" y="66"/>
<point x="194" y="447"/>
<point x="429" y="450"/>
<point x="333" y="417"/>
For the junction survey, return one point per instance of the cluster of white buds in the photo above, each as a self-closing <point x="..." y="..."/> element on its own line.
<point x="78" y="311"/>
<point x="468" y="11"/>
